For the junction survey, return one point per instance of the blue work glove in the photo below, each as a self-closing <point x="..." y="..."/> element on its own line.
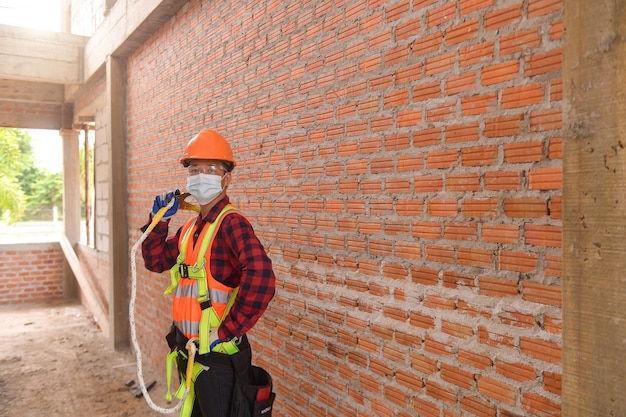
<point x="160" y="202"/>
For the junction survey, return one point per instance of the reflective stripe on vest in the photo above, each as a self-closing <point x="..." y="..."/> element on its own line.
<point x="193" y="284"/>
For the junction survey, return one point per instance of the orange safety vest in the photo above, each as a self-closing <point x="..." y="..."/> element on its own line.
<point x="200" y="301"/>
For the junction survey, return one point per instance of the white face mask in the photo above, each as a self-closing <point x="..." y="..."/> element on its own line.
<point x="204" y="187"/>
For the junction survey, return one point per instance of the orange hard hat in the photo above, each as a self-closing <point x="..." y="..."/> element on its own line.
<point x="208" y="144"/>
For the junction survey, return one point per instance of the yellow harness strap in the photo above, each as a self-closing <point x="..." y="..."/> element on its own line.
<point x="208" y="322"/>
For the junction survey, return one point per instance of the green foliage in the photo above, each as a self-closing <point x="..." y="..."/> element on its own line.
<point x="15" y="156"/>
<point x="44" y="189"/>
<point x="23" y="186"/>
<point x="12" y="198"/>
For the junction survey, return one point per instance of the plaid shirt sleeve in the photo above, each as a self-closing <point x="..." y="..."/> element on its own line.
<point x="257" y="282"/>
<point x="159" y="252"/>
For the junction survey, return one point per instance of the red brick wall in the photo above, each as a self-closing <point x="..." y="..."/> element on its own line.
<point x="31" y="273"/>
<point x="401" y="162"/>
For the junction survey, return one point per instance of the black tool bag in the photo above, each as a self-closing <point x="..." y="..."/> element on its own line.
<point x="252" y="394"/>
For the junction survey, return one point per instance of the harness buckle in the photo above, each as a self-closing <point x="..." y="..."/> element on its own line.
<point x="183" y="270"/>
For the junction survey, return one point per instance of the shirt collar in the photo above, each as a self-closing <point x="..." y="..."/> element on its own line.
<point x="214" y="212"/>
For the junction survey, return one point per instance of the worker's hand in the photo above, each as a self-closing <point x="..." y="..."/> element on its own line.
<point x="160" y="202"/>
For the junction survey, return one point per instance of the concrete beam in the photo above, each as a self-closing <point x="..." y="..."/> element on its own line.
<point x="127" y="26"/>
<point x="41" y="56"/>
<point x="50" y="120"/>
<point x="31" y="92"/>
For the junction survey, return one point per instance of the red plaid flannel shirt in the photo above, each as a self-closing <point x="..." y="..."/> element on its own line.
<point x="238" y="259"/>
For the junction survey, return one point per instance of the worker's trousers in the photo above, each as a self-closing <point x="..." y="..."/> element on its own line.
<point x="214" y="386"/>
<point x="214" y="392"/>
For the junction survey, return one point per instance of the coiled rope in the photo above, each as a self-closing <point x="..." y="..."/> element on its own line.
<point x="133" y="334"/>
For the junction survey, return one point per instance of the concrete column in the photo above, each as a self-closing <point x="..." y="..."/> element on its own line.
<point x="71" y="195"/>
<point x="594" y="209"/>
<point x="118" y="199"/>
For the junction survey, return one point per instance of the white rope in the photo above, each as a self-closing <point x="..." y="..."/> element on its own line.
<point x="133" y="334"/>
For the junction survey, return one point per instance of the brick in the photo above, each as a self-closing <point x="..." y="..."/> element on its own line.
<point x="408" y="250"/>
<point x="519" y="152"/>
<point x="462" y="32"/>
<point x="505" y="17"/>
<point x="525" y="207"/>
<point x="519" y="41"/>
<point x="517" y="261"/>
<point x="455" y="279"/>
<point x="442" y="159"/>
<point x="500" y="233"/>
<point x="497" y="287"/>
<point x="499" y="73"/>
<point x="538" y="405"/>
<point x="409" y="380"/>
<point x="503" y="126"/>
<point x="479" y="155"/>
<point x="474" y="54"/>
<point x="424" y="276"/>
<point x="516" y="371"/>
<point x="425" y="184"/>
<point x="442" y="207"/>
<point x="425" y="408"/>
<point x="462" y="133"/>
<point x="479" y="207"/>
<point x="439" y="112"/>
<point x="460" y="231"/>
<point x="543" y="235"/>
<point x="457" y="376"/>
<point x="408" y="29"/>
<point x="541" y="293"/>
<point x="556" y="89"/>
<point x="522" y="96"/>
<point x="471" y="6"/>
<point x="543" y="120"/>
<point x="494" y="339"/>
<point x="463" y="182"/>
<point x="542" y="7"/>
<point x="497" y="390"/>
<point x="479" y="104"/>
<point x="426" y="91"/>
<point x="440" y="15"/>
<point x="461" y="83"/>
<point x="543" y="63"/>
<point x="441" y="392"/>
<point x="478" y="406"/>
<point x="481" y="258"/>
<point x="427" y="44"/>
<point x="553" y="265"/>
<point x="457" y="330"/>
<point x="552" y="382"/>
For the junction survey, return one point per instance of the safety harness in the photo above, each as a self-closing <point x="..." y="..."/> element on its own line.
<point x="191" y="277"/>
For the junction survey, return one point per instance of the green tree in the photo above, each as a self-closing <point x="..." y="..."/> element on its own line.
<point x="15" y="155"/>
<point x="44" y="189"/>
<point x="23" y="186"/>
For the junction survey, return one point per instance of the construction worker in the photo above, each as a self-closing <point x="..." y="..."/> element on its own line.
<point x="222" y="278"/>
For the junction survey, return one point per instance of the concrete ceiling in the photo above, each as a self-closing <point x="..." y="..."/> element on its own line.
<point x="35" y="69"/>
<point x="42" y="73"/>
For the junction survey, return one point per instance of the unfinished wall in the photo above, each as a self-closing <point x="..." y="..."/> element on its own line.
<point x="31" y="273"/>
<point x="401" y="162"/>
